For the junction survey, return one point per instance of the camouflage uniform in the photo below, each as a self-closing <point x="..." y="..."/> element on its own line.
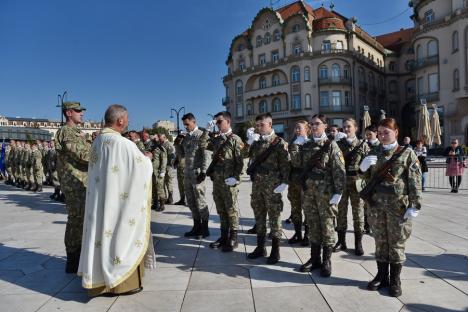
<point x="140" y="146"/>
<point x="73" y="153"/>
<point x="18" y="165"/>
<point x="230" y="164"/>
<point x="52" y="166"/>
<point x="28" y="170"/>
<point x="373" y="148"/>
<point x="45" y="163"/>
<point x="38" y="171"/>
<point x="169" y="177"/>
<point x="11" y="164"/>
<point x="159" y="168"/>
<point x="180" y="160"/>
<point x="7" y="162"/>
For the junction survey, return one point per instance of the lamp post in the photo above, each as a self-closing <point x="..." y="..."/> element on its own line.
<point x="177" y="112"/>
<point x="60" y="104"/>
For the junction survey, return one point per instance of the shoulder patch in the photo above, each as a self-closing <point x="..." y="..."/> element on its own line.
<point x="415" y="165"/>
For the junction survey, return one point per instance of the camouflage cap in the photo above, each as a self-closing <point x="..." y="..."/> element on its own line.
<point x="73" y="105"/>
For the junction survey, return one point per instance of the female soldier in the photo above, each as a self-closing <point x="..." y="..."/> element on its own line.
<point x="354" y="150"/>
<point x="395" y="200"/>
<point x="324" y="176"/>
<point x="295" y="193"/>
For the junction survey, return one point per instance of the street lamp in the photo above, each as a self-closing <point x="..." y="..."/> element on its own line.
<point x="60" y="104"/>
<point x="177" y="112"/>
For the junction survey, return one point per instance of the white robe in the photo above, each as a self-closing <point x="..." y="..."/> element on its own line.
<point x="118" y="211"/>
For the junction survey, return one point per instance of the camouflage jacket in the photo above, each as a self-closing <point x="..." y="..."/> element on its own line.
<point x="352" y="163"/>
<point x="27" y="159"/>
<point x="140" y="146"/>
<point x="295" y="152"/>
<point x="73" y="151"/>
<point x="36" y="159"/>
<point x="230" y="163"/>
<point x="196" y="156"/>
<point x="373" y="148"/>
<point x="159" y="160"/>
<point x="327" y="175"/>
<point x="170" y="154"/>
<point x="180" y="156"/>
<point x="52" y="159"/>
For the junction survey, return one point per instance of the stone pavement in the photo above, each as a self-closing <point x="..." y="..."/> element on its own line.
<point x="192" y="277"/>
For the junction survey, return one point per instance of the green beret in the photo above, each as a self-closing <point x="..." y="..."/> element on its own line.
<point x="72" y="105"/>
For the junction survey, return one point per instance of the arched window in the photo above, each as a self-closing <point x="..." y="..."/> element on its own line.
<point x="240" y="47"/>
<point x="297" y="49"/>
<point x="276" y="105"/>
<point x="262" y="107"/>
<point x="336" y="72"/>
<point x="275" y="80"/>
<point x="249" y="109"/>
<point x="295" y="74"/>
<point x="308" y="101"/>
<point x="262" y="83"/>
<point x="419" y="52"/>
<point x="296" y="28"/>
<point x="276" y="35"/>
<point x="267" y="38"/>
<point x="259" y="41"/>
<point x="346" y="71"/>
<point x="241" y="63"/>
<point x="456" y="80"/>
<point x="455" y="41"/>
<point x="239" y="88"/>
<point x="432" y="48"/>
<point x="307" y="73"/>
<point x="323" y="72"/>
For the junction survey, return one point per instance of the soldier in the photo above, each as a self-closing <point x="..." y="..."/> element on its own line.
<point x="394" y="193"/>
<point x="28" y="171"/>
<point x="159" y="172"/>
<point x="135" y="138"/>
<point x="169" y="178"/>
<point x="9" y="150"/>
<point x="269" y="171"/>
<point x="73" y="153"/>
<point x="295" y="192"/>
<point x="18" y="164"/>
<point x="354" y="150"/>
<point x="44" y="147"/>
<point x="52" y="167"/>
<point x="145" y="136"/>
<point x="324" y="178"/>
<point x="179" y="163"/>
<point x="373" y="143"/>
<point x="225" y="170"/>
<point x="37" y="170"/>
<point x="196" y="163"/>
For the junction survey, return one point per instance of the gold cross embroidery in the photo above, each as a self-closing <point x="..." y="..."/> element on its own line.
<point x="108" y="233"/>
<point x="131" y="222"/>
<point x="123" y="196"/>
<point x="117" y="261"/>
<point x="115" y="169"/>
<point x="97" y="244"/>
<point x="138" y="243"/>
<point x="97" y="179"/>
<point x="139" y="159"/>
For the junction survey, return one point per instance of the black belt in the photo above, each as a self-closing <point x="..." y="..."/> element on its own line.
<point x="351" y="173"/>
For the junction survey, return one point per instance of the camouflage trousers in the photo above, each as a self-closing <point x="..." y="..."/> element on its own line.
<point x="320" y="216"/>
<point x="168" y="180"/>
<point x="225" y="198"/>
<point x="75" y="205"/>
<point x="195" y="194"/>
<point x="157" y="188"/>
<point x="38" y="174"/>
<point x="19" y="173"/>
<point x="295" y="196"/>
<point x="54" y="176"/>
<point x="350" y="193"/>
<point x="390" y="232"/>
<point x="180" y="181"/>
<point x="29" y="174"/>
<point x="264" y="202"/>
<point x="10" y="171"/>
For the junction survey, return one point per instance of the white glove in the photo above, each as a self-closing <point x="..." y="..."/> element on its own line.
<point x="335" y="200"/>
<point x="162" y="174"/>
<point x="231" y="181"/>
<point x="280" y="188"/>
<point x="411" y="213"/>
<point x="367" y="162"/>
<point x="300" y="140"/>
<point x="252" y="136"/>
<point x="211" y="125"/>
<point x="340" y="135"/>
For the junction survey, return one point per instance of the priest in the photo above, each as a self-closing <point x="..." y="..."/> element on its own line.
<point x="117" y="242"/>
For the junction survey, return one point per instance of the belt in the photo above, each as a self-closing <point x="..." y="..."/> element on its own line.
<point x="351" y="173"/>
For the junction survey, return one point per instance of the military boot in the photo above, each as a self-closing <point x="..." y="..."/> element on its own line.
<point x="220" y="242"/>
<point x="260" y="250"/>
<point x="169" y="200"/>
<point x="381" y="279"/>
<point x="204" y="230"/>
<point x="61" y="198"/>
<point x="195" y="229"/>
<point x="341" y="242"/>
<point x="56" y="194"/>
<point x="181" y="202"/>
<point x="395" y="283"/>
<point x="358" y="251"/>
<point x="28" y="186"/>
<point x="161" y="206"/>
<point x="252" y="230"/>
<point x="326" y="268"/>
<point x="73" y="261"/>
<point x="39" y="188"/>
<point x="17" y="184"/>
<point x="34" y="187"/>
<point x="315" y="260"/>
<point x="275" y="251"/>
<point x="297" y="237"/>
<point x="305" y="238"/>
<point x="366" y="225"/>
<point x="231" y="243"/>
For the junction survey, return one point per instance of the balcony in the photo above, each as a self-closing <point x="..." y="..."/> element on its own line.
<point x="268" y="91"/>
<point x="335" y="81"/>
<point x="336" y="109"/>
<point x="424" y="62"/>
<point x="363" y="85"/>
<point x="226" y="100"/>
<point x="429" y="97"/>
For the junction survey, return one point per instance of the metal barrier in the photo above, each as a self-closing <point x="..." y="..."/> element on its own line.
<point x="436" y="175"/>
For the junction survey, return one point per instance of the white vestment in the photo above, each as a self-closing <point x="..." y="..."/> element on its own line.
<point x="118" y="211"/>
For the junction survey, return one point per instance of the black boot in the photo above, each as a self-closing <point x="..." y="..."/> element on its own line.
<point x="275" y="251"/>
<point x="161" y="206"/>
<point x="288" y="220"/>
<point x="315" y="261"/>
<point x="56" y="194"/>
<point x="358" y="251"/>
<point x="73" y="261"/>
<point x="195" y="229"/>
<point x="204" y="231"/>
<point x="27" y="187"/>
<point x="220" y="242"/>
<point x="366" y="225"/>
<point x="61" y="198"/>
<point x="395" y="283"/>
<point x="305" y="239"/>
<point x="260" y="250"/>
<point x="381" y="279"/>
<point x="181" y="202"/>
<point x="341" y="241"/>
<point x="155" y="205"/>
<point x="34" y="187"/>
<point x="39" y="188"/>
<point x="326" y="268"/>
<point x="297" y="237"/>
<point x="231" y="243"/>
<point x="169" y="200"/>
<point x="253" y="230"/>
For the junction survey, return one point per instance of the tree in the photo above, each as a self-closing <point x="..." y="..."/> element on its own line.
<point x="241" y="129"/>
<point x="160" y="130"/>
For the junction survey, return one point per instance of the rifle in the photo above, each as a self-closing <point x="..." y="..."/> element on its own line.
<point x="217" y="157"/>
<point x="314" y="162"/>
<point x="350" y="155"/>
<point x="367" y="192"/>
<point x="261" y="158"/>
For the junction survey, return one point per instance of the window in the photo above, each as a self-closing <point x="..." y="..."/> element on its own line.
<point x="276" y="105"/>
<point x="267" y="38"/>
<point x="306" y="73"/>
<point x="275" y="56"/>
<point x="296" y="28"/>
<point x="227" y="91"/>
<point x="433" y="83"/>
<point x="295" y="74"/>
<point x="362" y="99"/>
<point x="393" y="86"/>
<point x="241" y="64"/>
<point x="326" y="45"/>
<point x="455" y="41"/>
<point x="276" y="35"/>
<point x="259" y="41"/>
<point x="249" y="109"/>
<point x="308" y="101"/>
<point x="324" y="99"/>
<point x="456" y="80"/>
<point x="262" y="59"/>
<point x="420" y="86"/>
<point x="297" y="49"/>
<point x="239" y="88"/>
<point x="347" y="98"/>
<point x="262" y="107"/>
<point x="336" y="72"/>
<point x="336" y="100"/>
<point x="432" y="48"/>
<point x="323" y="72"/>
<point x="275" y="80"/>
<point x="296" y="101"/>
<point x="346" y="71"/>
<point x="339" y="45"/>
<point x="336" y="121"/>
<point x="262" y="83"/>
<point x="429" y="16"/>
<point x="240" y="47"/>
<point x="239" y="110"/>
<point x="391" y="66"/>
<point x="419" y="52"/>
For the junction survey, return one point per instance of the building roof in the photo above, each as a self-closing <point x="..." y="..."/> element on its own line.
<point x="295" y="8"/>
<point x="394" y="41"/>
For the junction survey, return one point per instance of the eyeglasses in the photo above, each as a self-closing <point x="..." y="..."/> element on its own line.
<point x="453" y="143"/>
<point x="77" y="110"/>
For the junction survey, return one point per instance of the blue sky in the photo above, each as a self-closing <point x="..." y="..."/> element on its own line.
<point x="149" y="55"/>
